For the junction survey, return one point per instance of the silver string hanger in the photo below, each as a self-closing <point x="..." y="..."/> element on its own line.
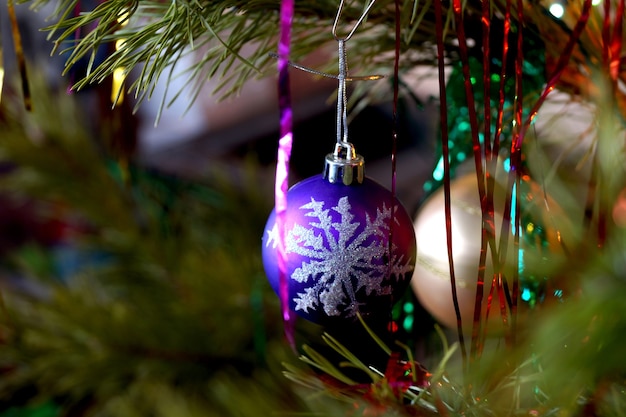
<point x="342" y="96"/>
<point x="342" y="77"/>
<point x="343" y="165"/>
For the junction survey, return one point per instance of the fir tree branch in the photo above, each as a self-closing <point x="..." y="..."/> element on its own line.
<point x="228" y="40"/>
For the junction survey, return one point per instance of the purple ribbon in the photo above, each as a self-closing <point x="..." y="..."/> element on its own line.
<point x="282" y="164"/>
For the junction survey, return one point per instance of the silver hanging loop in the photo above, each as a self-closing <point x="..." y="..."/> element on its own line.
<point x="342" y="95"/>
<point x="356" y="25"/>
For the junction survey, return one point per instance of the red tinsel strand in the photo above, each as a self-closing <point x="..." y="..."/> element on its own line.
<point x="518" y="138"/>
<point x="394" y="133"/>
<point x="617" y="41"/>
<point x="500" y="285"/>
<point x="469" y="94"/>
<point x="501" y="98"/>
<point x="516" y="248"/>
<point x="486" y="30"/>
<point x="611" y="49"/>
<point x="493" y="163"/>
<point x="478" y="155"/>
<point x="612" y="43"/>
<point x="489" y="301"/>
<point x="399" y="377"/>
<point x="490" y="151"/>
<point x="446" y="172"/>
<point x="510" y="201"/>
<point x="396" y="84"/>
<point x="503" y="298"/>
<point x="558" y="70"/>
<point x="514" y="175"/>
<point x="606" y="31"/>
<point x="283" y="156"/>
<point x="475" y="344"/>
<point x="487" y="211"/>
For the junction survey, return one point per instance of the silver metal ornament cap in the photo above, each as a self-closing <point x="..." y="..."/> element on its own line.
<point x="344" y="165"/>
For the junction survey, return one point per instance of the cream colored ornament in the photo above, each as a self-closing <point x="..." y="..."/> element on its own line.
<point x="540" y="254"/>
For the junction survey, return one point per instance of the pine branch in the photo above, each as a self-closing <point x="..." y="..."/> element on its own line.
<point x="229" y="41"/>
<point x="167" y="294"/>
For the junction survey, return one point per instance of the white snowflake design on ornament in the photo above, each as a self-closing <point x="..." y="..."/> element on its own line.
<point x="341" y="263"/>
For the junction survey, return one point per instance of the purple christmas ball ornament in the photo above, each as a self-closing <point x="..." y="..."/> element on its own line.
<point x="337" y="248"/>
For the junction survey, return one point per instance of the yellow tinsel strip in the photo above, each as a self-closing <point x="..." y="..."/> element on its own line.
<point x="119" y="74"/>
<point x="19" y="54"/>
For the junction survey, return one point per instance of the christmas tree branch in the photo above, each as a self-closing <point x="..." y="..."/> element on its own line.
<point x="227" y="41"/>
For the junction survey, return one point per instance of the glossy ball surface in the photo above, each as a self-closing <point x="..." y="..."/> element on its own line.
<point x="542" y="224"/>
<point x="337" y="247"/>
